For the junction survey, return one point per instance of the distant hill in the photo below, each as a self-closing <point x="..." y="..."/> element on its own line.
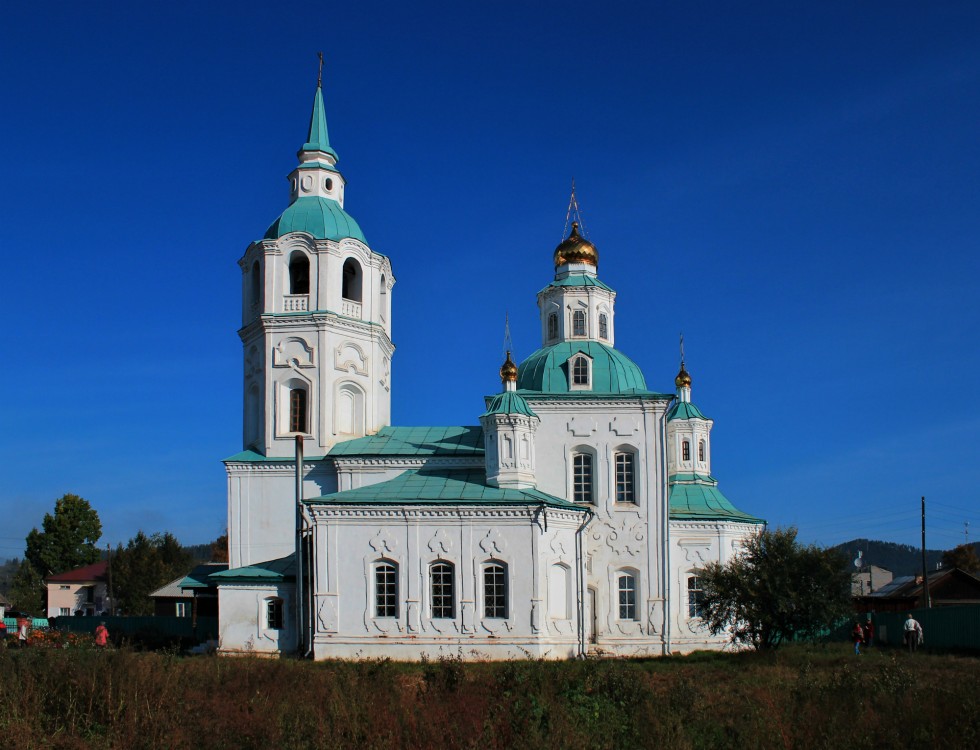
<point x="900" y="559"/>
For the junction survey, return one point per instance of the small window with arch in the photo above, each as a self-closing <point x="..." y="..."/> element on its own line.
<point x="443" y="595"/>
<point x="580" y="372"/>
<point x="701" y="451"/>
<point x="386" y="589"/>
<point x="603" y="326"/>
<point x="495" y="590"/>
<point x="627" y="596"/>
<point x="624" y="478"/>
<point x="351" y="285"/>
<point x="695" y="597"/>
<point x="297" y="410"/>
<point x="299" y="274"/>
<point x="552" y="326"/>
<point x="582" y="478"/>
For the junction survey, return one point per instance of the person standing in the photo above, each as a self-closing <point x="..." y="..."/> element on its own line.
<point x="857" y="635"/>
<point x="913" y="633"/>
<point x="23" y="627"/>
<point x="101" y="635"/>
<point x="869" y="633"/>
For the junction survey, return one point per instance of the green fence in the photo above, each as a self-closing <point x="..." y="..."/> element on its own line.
<point x="942" y="627"/>
<point x="141" y="627"/>
<point x="11" y="623"/>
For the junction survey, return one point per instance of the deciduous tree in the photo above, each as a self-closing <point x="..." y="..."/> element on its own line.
<point x="963" y="557"/>
<point x="67" y="539"/>
<point x="776" y="589"/>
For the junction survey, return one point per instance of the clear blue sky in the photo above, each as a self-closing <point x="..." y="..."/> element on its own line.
<point x="793" y="185"/>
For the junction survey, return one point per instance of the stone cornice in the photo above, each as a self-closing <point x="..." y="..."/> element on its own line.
<point x="405" y="462"/>
<point x="452" y="513"/>
<point x="715" y="526"/>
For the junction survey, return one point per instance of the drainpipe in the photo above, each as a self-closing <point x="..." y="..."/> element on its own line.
<point x="307" y="521"/>
<point x="299" y="544"/>
<point x="580" y="581"/>
<point x="665" y="554"/>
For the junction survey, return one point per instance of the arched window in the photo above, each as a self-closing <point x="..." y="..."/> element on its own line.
<point x="582" y="478"/>
<point x="443" y="594"/>
<point x="273" y="613"/>
<point x="627" y="596"/>
<point x="386" y="589"/>
<point x="701" y="451"/>
<point x="297" y="410"/>
<point x="603" y="326"/>
<point x="299" y="274"/>
<point x="351" y="288"/>
<point x="580" y="371"/>
<point x="685" y="451"/>
<point x="256" y="288"/>
<point x="384" y="298"/>
<point x="349" y="410"/>
<point x="578" y="323"/>
<point x="552" y="326"/>
<point x="495" y="602"/>
<point x="624" y="478"/>
<point x="695" y="597"/>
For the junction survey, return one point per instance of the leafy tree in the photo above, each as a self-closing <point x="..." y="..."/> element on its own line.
<point x="27" y="589"/>
<point x="776" y="589"/>
<point x="963" y="557"/>
<point x="219" y="549"/>
<point x="68" y="537"/>
<point x="144" y="565"/>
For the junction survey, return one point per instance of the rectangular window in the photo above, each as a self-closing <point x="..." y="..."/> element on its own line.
<point x="582" y="478"/>
<point x="297" y="410"/>
<point x="695" y="597"/>
<point x="685" y="451"/>
<point x="182" y="609"/>
<point x="580" y="371"/>
<point x="443" y="596"/>
<point x="386" y="590"/>
<point x="603" y="326"/>
<point x="64" y="612"/>
<point x="578" y="323"/>
<point x="273" y="614"/>
<point x="495" y="591"/>
<point x="552" y="326"/>
<point x="624" y="478"/>
<point x="701" y="451"/>
<point x="627" y="597"/>
<point x="64" y="588"/>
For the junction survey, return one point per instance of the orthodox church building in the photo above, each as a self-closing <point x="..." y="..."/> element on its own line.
<point x="569" y="517"/>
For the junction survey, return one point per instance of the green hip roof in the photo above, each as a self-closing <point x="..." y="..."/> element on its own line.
<point x="442" y="487"/>
<point x="691" y="502"/>
<point x="270" y="571"/>
<point x="415" y="441"/>
<point x="509" y="402"/>
<point x="578" y="279"/>
<point x="612" y="371"/>
<point x="318" y="216"/>
<point x="684" y="410"/>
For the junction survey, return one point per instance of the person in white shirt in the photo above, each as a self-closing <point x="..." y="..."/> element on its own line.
<point x="913" y="633"/>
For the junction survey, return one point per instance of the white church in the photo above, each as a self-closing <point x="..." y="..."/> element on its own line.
<point x="569" y="518"/>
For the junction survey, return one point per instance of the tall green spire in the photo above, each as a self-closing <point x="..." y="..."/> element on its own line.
<point x="317" y="139"/>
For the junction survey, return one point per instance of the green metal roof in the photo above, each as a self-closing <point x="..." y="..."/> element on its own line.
<point x="612" y="371"/>
<point x="270" y="571"/>
<point x="684" y="410"/>
<point x="441" y="487"/>
<point x="509" y="402"/>
<point x="321" y="217"/>
<point x="316" y="138"/>
<point x="251" y="457"/>
<point x="415" y="441"/>
<point x="198" y="578"/>
<point x="702" y="501"/>
<point x="578" y="279"/>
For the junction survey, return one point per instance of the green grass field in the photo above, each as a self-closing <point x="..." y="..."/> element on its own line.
<point x="798" y="697"/>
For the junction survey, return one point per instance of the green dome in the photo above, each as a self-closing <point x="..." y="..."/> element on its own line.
<point x="321" y="217"/>
<point x="509" y="402"/>
<point x="612" y="372"/>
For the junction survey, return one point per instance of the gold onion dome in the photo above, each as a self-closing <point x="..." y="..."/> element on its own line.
<point x="576" y="249"/>
<point x="683" y="378"/>
<point x="508" y="370"/>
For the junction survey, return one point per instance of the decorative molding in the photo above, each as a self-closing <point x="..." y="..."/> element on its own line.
<point x="493" y="544"/>
<point x="349" y="357"/>
<point x="441" y="543"/>
<point x="623" y="538"/>
<point x="293" y="351"/>
<point x="582" y="426"/>
<point x="384" y="543"/>
<point x="624" y="426"/>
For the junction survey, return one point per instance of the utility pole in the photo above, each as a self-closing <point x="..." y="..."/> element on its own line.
<point x="927" y="598"/>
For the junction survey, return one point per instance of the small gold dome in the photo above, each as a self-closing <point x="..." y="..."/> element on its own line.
<point x="683" y="378"/>
<point x="576" y="249"/>
<point x="508" y="371"/>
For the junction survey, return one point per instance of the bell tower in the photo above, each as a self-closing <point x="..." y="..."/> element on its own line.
<point x="316" y="315"/>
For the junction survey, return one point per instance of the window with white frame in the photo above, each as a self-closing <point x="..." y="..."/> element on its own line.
<point x="273" y="613"/>
<point x="578" y="323"/>
<point x="686" y="451"/>
<point x="582" y="478"/>
<point x="386" y="589"/>
<point x="182" y="609"/>
<point x="297" y="410"/>
<point x="443" y="595"/>
<point x="603" y="326"/>
<point x="552" y="326"/>
<point x="627" y="596"/>
<point x="580" y="372"/>
<point x="495" y="602"/>
<point x="695" y="597"/>
<point x="625" y="478"/>
<point x="299" y="274"/>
